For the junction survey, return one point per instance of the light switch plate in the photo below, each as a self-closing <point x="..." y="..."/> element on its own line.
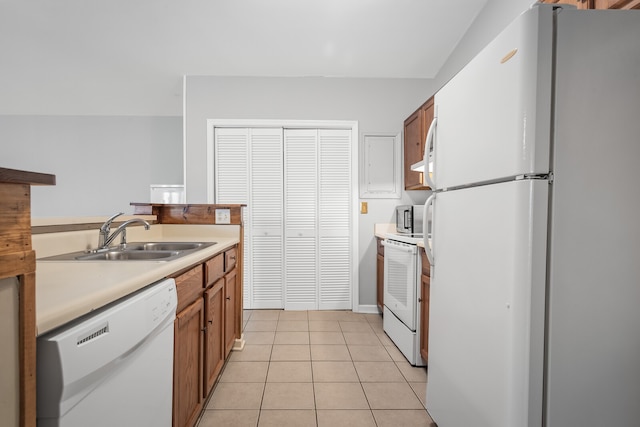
<point x="223" y="216"/>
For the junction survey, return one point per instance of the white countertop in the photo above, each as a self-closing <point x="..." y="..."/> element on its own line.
<point x="381" y="230"/>
<point x="66" y="290"/>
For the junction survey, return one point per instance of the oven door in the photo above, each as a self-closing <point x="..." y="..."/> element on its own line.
<point x="400" y="280"/>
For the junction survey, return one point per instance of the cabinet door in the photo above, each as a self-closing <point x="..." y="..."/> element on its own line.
<point x="380" y="281"/>
<point x="187" y="365"/>
<point x="413" y="150"/>
<point x="214" y="336"/>
<point x="229" y="310"/>
<point x="425" y="285"/>
<point x="580" y="4"/>
<point x="617" y="4"/>
<point x="415" y="134"/>
<point x="428" y="111"/>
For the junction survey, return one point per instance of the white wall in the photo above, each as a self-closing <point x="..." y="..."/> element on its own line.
<point x="101" y="163"/>
<point x="379" y="105"/>
<point x="491" y="20"/>
<point x="104" y="162"/>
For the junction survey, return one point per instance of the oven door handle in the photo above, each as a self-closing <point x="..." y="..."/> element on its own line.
<point x="408" y="249"/>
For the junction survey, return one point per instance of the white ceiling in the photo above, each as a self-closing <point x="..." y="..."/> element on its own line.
<point x="72" y="56"/>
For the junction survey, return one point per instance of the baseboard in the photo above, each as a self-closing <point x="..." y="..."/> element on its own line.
<point x="368" y="309"/>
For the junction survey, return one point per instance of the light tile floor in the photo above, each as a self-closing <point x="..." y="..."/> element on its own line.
<point x="317" y="368"/>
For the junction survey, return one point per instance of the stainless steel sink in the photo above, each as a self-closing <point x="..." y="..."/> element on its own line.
<point x="136" y="251"/>
<point x="118" y="255"/>
<point x="166" y="246"/>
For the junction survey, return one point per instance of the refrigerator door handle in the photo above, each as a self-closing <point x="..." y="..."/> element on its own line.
<point x="429" y="147"/>
<point x="427" y="248"/>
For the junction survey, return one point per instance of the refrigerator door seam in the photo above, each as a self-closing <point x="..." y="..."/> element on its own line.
<point x="544" y="176"/>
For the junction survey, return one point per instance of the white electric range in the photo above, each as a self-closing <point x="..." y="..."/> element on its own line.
<point x="402" y="270"/>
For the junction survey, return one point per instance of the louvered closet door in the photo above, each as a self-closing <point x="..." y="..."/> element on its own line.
<point x="231" y="156"/>
<point x="334" y="219"/>
<point x="301" y="213"/>
<point x="266" y="204"/>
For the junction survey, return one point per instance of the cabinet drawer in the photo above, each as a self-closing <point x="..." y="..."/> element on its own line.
<point x="214" y="269"/>
<point x="380" y="247"/>
<point x="189" y="286"/>
<point x="229" y="260"/>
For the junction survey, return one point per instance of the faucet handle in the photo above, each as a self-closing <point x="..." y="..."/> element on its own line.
<point x="107" y="223"/>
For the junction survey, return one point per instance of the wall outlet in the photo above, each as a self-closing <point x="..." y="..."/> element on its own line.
<point x="364" y="207"/>
<point x="223" y="216"/>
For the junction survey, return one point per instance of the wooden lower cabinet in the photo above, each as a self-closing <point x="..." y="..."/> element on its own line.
<point x="188" y="364"/>
<point x="599" y="4"/>
<point x="425" y="284"/>
<point x="425" y="288"/>
<point x="230" y="310"/>
<point x="380" y="274"/>
<point x="214" y="334"/>
<point x="205" y="332"/>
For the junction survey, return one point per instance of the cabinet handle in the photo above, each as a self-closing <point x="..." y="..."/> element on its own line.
<point x="228" y="298"/>
<point x="232" y="257"/>
<point x="203" y="329"/>
<point x="210" y="322"/>
<point x="419" y="299"/>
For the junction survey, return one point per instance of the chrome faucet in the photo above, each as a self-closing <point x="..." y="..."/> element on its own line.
<point x="105" y="239"/>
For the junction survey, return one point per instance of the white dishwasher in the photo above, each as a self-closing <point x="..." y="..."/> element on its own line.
<point x="112" y="367"/>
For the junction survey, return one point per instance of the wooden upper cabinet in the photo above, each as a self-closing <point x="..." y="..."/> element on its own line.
<point x="415" y="133"/>
<point x="616" y="4"/>
<point x="412" y="136"/>
<point x="580" y="4"/>
<point x="599" y="4"/>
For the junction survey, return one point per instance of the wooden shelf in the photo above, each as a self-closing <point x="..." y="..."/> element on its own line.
<point x="188" y="213"/>
<point x="14" y="176"/>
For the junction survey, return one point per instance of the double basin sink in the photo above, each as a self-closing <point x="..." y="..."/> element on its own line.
<point x="136" y="251"/>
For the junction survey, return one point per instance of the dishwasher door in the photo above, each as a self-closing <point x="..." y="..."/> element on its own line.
<point x="113" y="367"/>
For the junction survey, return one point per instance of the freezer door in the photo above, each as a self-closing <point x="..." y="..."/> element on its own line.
<point x="493" y="117"/>
<point x="486" y="314"/>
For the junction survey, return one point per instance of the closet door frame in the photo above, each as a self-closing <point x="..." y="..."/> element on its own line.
<point x="316" y="124"/>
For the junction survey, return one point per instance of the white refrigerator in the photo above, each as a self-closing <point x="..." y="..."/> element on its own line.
<point x="535" y="244"/>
